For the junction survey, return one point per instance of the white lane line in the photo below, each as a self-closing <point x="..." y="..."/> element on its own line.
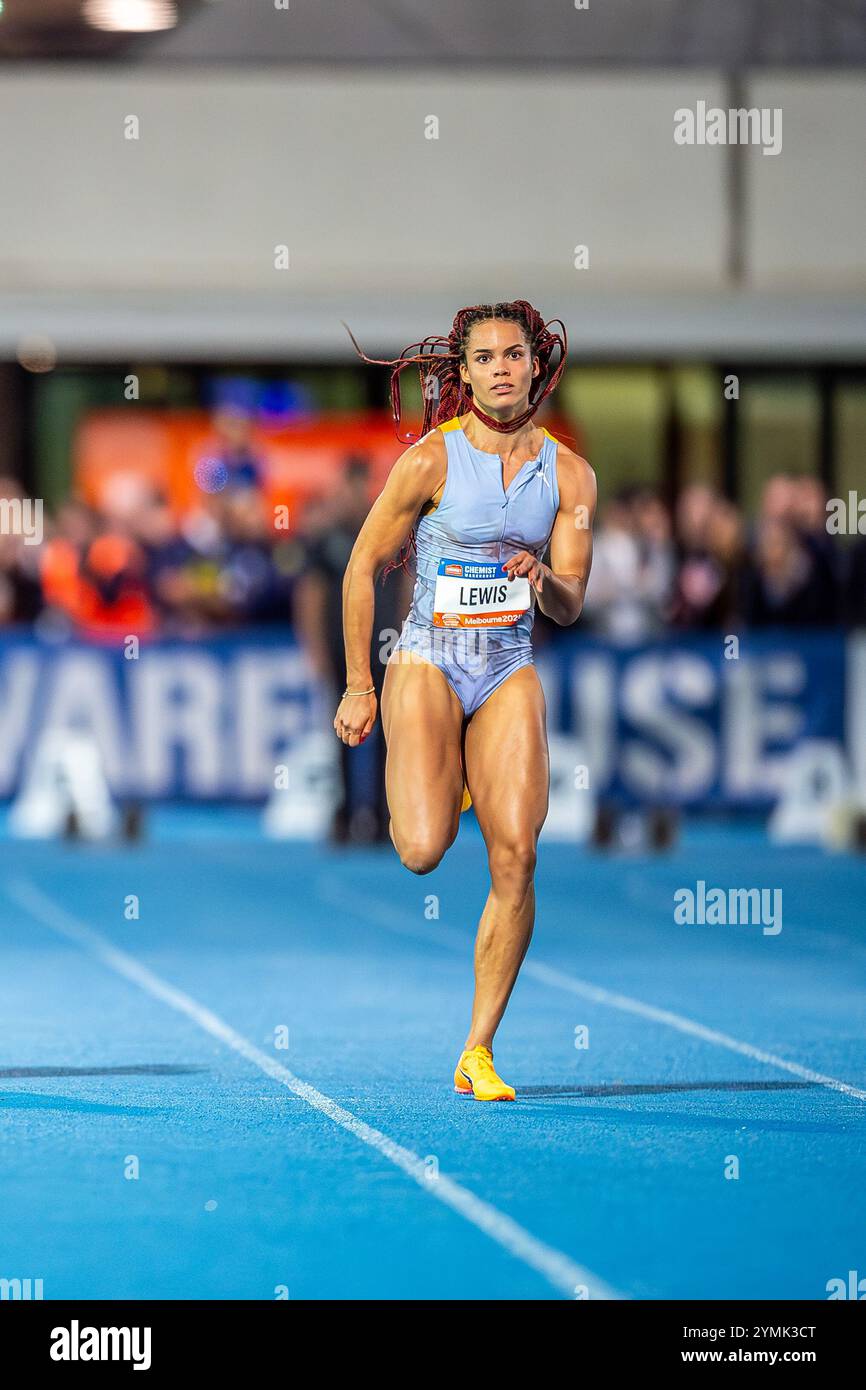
<point x="383" y="915"/>
<point x="561" y="1272"/>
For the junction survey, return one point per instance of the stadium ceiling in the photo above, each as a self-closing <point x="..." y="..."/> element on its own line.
<point x="669" y="33"/>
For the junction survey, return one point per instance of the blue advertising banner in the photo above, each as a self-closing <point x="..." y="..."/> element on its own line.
<point x="691" y="721"/>
<point x="704" y="720"/>
<point x="201" y="720"/>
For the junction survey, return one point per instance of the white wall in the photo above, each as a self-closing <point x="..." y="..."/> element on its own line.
<point x="807" y="223"/>
<point x="228" y="164"/>
<point x="166" y="244"/>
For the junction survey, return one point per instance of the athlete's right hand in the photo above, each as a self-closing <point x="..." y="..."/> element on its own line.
<point x="355" y="718"/>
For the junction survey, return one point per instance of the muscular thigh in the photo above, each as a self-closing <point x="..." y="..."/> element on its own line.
<point x="422" y="720"/>
<point x="507" y="761"/>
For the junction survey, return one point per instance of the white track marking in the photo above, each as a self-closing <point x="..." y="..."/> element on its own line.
<point x="560" y="1271"/>
<point x="383" y="915"/>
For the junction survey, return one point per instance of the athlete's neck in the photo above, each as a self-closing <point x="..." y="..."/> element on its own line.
<point x="491" y="441"/>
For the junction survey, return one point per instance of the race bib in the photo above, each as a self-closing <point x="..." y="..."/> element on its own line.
<point x="478" y="594"/>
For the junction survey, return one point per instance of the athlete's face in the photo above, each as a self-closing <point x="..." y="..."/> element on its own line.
<point x="499" y="367"/>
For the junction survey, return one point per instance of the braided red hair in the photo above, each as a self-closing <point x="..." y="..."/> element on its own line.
<point x="443" y="390"/>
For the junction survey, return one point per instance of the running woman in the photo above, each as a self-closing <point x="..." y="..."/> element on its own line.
<point x="479" y="496"/>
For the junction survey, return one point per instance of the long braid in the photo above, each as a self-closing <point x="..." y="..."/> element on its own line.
<point x="443" y="391"/>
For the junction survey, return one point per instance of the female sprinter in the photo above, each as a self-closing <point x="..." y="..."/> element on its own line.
<point x="480" y="496"/>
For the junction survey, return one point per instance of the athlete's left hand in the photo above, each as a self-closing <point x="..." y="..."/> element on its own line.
<point x="524" y="563"/>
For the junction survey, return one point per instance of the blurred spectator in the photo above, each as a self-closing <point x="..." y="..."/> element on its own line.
<point x="778" y="498"/>
<point x="20" y="589"/>
<point x="167" y="554"/>
<point x="632" y="568"/>
<point x="854" y="610"/>
<point x="331" y="534"/>
<point x="255" y="589"/>
<point x="657" y="556"/>
<point x="784" y="584"/>
<point x="231" y="461"/>
<point x="709" y="541"/>
<point x="102" y="591"/>
<point x="801" y="501"/>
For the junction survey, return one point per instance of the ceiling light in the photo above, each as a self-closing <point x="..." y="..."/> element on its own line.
<point x="130" y="16"/>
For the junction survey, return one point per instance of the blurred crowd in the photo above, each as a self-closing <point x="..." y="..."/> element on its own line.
<point x="703" y="567"/>
<point x="134" y="565"/>
<point x="147" y="571"/>
<point x="137" y="567"/>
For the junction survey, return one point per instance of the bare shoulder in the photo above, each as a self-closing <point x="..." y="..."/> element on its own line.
<point x="422" y="467"/>
<point x="576" y="478"/>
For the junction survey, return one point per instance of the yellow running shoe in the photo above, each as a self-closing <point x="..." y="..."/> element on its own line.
<point x="467" y="799"/>
<point x="476" y="1076"/>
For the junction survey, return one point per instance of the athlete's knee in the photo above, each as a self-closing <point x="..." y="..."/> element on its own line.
<point x="419" y="853"/>
<point x="514" y="858"/>
<point x="421" y="858"/>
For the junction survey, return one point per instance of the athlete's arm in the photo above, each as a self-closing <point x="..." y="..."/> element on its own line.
<point x="560" y="587"/>
<point x="412" y="481"/>
<point x="564" y="590"/>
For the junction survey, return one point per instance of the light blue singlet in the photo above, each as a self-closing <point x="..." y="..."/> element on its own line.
<point x="475" y="527"/>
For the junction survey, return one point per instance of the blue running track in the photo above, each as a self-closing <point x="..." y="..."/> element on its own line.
<point x="343" y="1166"/>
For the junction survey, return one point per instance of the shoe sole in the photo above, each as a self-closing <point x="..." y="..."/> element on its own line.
<point x="460" y="1091"/>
